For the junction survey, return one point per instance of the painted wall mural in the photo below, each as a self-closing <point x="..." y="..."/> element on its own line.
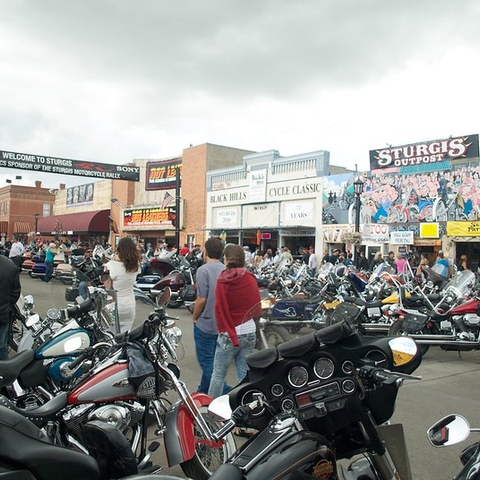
<point x="397" y="197"/>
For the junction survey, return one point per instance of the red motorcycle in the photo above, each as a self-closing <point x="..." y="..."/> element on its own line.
<point x="181" y="283"/>
<point x="128" y="387"/>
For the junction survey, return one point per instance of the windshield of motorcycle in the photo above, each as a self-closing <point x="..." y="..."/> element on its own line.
<point x="383" y="268"/>
<point x="462" y="281"/>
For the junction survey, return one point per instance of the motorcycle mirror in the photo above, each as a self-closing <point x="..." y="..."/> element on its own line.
<point x="164" y="298"/>
<point x="28" y="302"/>
<point x="404" y="349"/>
<point x="449" y="430"/>
<point x="220" y="409"/>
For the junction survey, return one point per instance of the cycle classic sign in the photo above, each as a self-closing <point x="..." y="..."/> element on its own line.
<point x="65" y="166"/>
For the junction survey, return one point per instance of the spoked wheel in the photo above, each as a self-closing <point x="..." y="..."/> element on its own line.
<point x="17" y="330"/>
<point x="398" y="328"/>
<point x="208" y="457"/>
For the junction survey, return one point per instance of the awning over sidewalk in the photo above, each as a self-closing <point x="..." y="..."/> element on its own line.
<point x="75" y="223"/>
<point x="22" y="227"/>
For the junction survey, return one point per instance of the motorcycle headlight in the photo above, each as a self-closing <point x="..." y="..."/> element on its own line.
<point x="173" y="335"/>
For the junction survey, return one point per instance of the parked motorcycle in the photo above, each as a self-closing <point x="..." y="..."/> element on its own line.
<point x="283" y="319"/>
<point x="454" y="429"/>
<point x="26" y="453"/>
<point x="181" y="283"/>
<point x="43" y="365"/>
<point x="141" y="367"/>
<point x="452" y="322"/>
<point x="317" y="400"/>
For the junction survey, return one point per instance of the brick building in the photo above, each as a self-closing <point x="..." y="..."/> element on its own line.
<point x="19" y="205"/>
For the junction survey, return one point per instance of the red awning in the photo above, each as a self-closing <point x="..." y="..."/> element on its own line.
<point x="83" y="222"/>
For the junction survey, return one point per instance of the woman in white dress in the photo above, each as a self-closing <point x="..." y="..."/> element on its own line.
<point x="123" y="271"/>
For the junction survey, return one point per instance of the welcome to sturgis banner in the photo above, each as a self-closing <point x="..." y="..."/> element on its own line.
<point x="423" y="153"/>
<point x="64" y="166"/>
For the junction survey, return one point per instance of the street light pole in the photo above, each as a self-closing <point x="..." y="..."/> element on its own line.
<point x="358" y="190"/>
<point x="36" y="222"/>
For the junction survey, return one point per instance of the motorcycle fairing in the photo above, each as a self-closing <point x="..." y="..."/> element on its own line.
<point x="179" y="434"/>
<point x="273" y="454"/>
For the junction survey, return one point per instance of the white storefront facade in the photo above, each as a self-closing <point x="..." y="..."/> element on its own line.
<point x="269" y="201"/>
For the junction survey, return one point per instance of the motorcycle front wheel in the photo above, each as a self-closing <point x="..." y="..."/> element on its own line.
<point x="17" y="330"/>
<point x="398" y="328"/>
<point x="275" y="335"/>
<point x="208" y="458"/>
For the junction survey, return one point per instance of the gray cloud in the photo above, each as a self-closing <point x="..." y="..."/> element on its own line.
<point x="114" y="80"/>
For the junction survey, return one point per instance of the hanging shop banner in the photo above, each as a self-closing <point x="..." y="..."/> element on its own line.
<point x="463" y="229"/>
<point x="422" y="153"/>
<point x="64" y="166"/>
<point x="401" y="238"/>
<point x="163" y="174"/>
<point x="80" y="195"/>
<point x="258" y="185"/>
<point x="147" y="217"/>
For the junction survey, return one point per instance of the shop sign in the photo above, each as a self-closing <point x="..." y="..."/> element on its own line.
<point x="375" y="232"/>
<point x="401" y="238"/>
<point x="422" y="153"/>
<point x="162" y="175"/>
<point x="334" y="233"/>
<point x="260" y="215"/>
<point x="297" y="213"/>
<point x="463" y="229"/>
<point x="310" y="232"/>
<point x="226" y="217"/>
<point x="258" y="185"/>
<point x="140" y="217"/>
<point x="429" y="230"/>
<point x="65" y="166"/>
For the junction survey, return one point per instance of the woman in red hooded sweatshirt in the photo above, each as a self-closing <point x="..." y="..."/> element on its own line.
<point x="237" y="303"/>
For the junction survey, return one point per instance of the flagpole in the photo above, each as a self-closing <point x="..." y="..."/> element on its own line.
<point x="177" y="209"/>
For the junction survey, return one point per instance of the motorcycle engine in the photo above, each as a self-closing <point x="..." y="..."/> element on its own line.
<point x="113" y="414"/>
<point x="471" y="320"/>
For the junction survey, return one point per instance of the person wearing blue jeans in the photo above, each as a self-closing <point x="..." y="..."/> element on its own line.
<point x="225" y="354"/>
<point x="205" y="330"/>
<point x="237" y="303"/>
<point x="52" y="251"/>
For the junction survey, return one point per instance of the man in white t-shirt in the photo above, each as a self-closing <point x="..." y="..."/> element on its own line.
<point x="16" y="252"/>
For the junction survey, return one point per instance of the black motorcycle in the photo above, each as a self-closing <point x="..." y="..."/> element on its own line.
<point x="317" y="400"/>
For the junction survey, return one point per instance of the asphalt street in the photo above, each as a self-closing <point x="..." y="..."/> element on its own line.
<point x="450" y="384"/>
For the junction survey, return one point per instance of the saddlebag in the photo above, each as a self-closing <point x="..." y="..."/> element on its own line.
<point x="414" y="322"/>
<point x="189" y="293"/>
<point x="71" y="293"/>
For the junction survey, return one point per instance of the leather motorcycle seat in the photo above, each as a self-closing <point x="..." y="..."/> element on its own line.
<point x="227" y="470"/>
<point x="39" y="415"/>
<point x="22" y="443"/>
<point x="11" y="368"/>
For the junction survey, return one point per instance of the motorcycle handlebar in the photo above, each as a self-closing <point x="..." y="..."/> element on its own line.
<point x="142" y="331"/>
<point x="84" y="307"/>
<point x="88" y="352"/>
<point x="383" y="376"/>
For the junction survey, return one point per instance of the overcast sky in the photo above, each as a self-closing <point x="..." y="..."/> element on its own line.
<point x="113" y="80"/>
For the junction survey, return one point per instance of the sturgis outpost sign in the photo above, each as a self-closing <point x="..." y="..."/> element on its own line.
<point x="423" y="153"/>
<point x="64" y="166"/>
